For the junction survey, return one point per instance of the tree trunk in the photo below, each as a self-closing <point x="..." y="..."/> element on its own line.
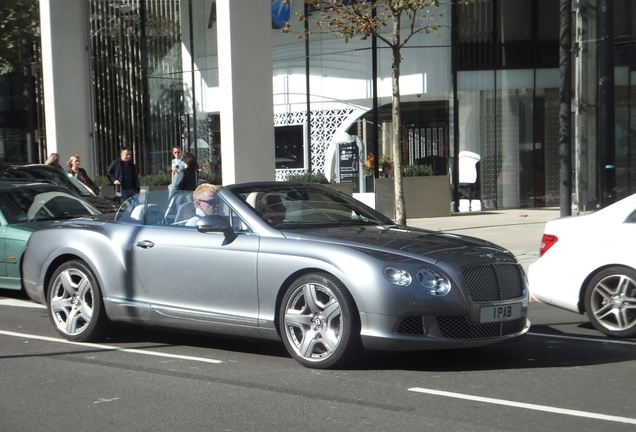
<point x="396" y="145"/>
<point x="565" y="96"/>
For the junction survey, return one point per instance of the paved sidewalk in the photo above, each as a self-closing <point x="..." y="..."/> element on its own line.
<point x="518" y="230"/>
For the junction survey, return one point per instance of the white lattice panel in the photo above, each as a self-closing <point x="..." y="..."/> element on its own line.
<point x="324" y="124"/>
<point x="500" y="149"/>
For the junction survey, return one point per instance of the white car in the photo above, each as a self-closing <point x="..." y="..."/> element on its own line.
<point x="587" y="265"/>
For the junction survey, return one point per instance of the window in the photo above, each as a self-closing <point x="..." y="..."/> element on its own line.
<point x="290" y="146"/>
<point x="508" y="34"/>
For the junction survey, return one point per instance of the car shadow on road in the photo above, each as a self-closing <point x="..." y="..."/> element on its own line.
<point x="139" y="336"/>
<point x="19" y="295"/>
<point x="544" y="348"/>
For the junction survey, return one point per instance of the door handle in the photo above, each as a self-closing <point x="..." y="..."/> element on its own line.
<point x="144" y="244"/>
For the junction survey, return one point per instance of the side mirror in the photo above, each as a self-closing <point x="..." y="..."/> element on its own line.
<point x="216" y="223"/>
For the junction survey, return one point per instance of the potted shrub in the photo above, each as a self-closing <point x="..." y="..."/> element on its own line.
<point x="425" y="194"/>
<point x="320" y="178"/>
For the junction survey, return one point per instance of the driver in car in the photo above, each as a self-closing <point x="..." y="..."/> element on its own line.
<point x="206" y="202"/>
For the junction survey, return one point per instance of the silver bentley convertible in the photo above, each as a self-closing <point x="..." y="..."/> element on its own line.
<point x="297" y="262"/>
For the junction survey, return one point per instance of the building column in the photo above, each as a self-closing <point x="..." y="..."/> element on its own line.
<point x="66" y="76"/>
<point x="246" y="89"/>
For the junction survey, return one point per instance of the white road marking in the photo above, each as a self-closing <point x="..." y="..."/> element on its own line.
<point x="20" y="303"/>
<point x="543" y="408"/>
<point x="102" y="400"/>
<point x="109" y="347"/>
<point x="585" y="339"/>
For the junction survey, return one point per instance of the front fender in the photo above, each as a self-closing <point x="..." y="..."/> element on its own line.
<point x="360" y="272"/>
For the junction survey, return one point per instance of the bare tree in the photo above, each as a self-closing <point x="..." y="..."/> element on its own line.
<point x="382" y="19"/>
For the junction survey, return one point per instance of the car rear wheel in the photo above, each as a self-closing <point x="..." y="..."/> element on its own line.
<point x="75" y="302"/>
<point x="610" y="301"/>
<point x="319" y="322"/>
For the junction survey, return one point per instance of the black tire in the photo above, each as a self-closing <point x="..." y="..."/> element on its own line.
<point x="610" y="301"/>
<point x="74" y="302"/>
<point x="319" y="322"/>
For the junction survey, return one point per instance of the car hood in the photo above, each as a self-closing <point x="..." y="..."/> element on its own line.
<point x="406" y="241"/>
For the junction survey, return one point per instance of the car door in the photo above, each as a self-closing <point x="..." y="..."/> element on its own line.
<point x="627" y="236"/>
<point x="12" y="244"/>
<point x="202" y="276"/>
<point x="3" y="265"/>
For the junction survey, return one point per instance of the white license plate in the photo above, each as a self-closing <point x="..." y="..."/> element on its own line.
<point x="500" y="313"/>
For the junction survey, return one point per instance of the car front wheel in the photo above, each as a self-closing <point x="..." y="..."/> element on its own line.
<point x="75" y="303"/>
<point x="319" y="322"/>
<point x="610" y="301"/>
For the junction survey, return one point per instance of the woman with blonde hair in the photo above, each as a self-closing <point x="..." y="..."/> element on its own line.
<point x="53" y="159"/>
<point x="80" y="173"/>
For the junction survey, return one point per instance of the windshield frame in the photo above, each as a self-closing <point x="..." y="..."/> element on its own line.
<point x="308" y="205"/>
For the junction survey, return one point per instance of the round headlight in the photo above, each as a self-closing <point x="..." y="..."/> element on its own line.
<point x="433" y="282"/>
<point x="397" y="276"/>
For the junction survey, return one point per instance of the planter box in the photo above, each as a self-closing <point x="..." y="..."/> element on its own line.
<point x="342" y="187"/>
<point x="427" y="196"/>
<point x="156" y="188"/>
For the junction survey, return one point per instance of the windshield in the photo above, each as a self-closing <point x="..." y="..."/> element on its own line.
<point x="81" y="188"/>
<point x="297" y="205"/>
<point x="50" y="174"/>
<point x="282" y="205"/>
<point x="36" y="203"/>
<point x="150" y="208"/>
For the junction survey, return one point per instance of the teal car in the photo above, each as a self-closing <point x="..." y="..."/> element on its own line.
<point x="51" y="174"/>
<point x="24" y="208"/>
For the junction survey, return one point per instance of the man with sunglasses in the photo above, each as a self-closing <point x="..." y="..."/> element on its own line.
<point x="205" y="202"/>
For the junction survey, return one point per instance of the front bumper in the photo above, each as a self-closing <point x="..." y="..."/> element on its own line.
<point x="418" y="333"/>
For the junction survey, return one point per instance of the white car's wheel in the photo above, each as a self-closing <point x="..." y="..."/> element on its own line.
<point x="319" y="322"/>
<point x="75" y="303"/>
<point x="610" y="301"/>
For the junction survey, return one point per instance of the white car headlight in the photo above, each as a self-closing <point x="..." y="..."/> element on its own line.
<point x="397" y="276"/>
<point x="433" y="282"/>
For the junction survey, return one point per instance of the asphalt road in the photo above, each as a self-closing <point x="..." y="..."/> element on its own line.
<point x="562" y="376"/>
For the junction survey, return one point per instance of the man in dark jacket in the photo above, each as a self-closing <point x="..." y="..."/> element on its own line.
<point x="123" y="172"/>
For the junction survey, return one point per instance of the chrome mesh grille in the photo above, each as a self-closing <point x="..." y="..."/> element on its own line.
<point x="493" y="282"/>
<point x="411" y="325"/>
<point x="458" y="327"/>
<point x="487" y="283"/>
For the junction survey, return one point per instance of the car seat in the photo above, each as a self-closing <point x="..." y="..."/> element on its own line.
<point x="175" y="203"/>
<point x="185" y="212"/>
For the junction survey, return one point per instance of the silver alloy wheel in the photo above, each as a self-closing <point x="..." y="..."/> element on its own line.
<point x="313" y="321"/>
<point x="71" y="301"/>
<point x="612" y="303"/>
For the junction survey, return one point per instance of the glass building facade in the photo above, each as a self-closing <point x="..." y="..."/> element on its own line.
<point x="480" y="100"/>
